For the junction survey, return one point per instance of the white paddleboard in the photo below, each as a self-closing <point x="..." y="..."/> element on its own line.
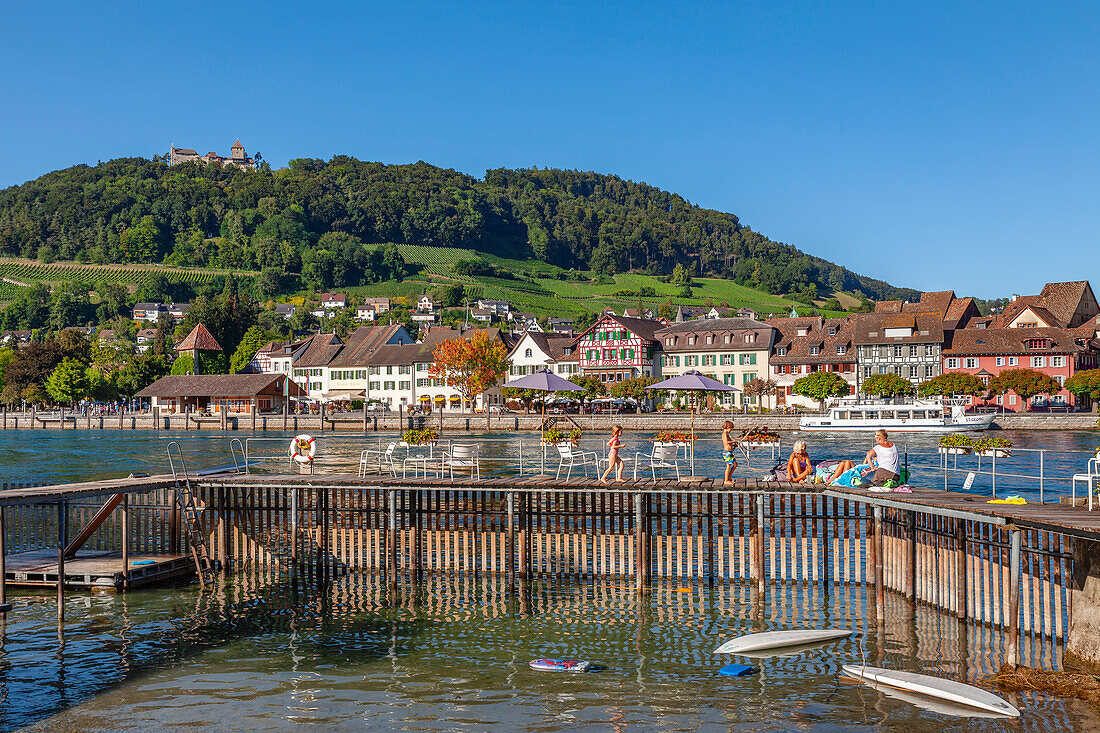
<point x="936" y="687"/>
<point x="779" y="639"/>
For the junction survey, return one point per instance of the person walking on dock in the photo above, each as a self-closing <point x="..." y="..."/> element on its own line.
<point x="884" y="455"/>
<point x="613" y="460"/>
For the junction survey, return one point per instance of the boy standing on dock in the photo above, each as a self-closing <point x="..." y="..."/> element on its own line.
<point x="728" y="451"/>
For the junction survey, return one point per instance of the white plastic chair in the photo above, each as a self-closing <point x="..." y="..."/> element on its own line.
<point x="662" y="457"/>
<point x="464" y="456"/>
<point x="369" y="456"/>
<point x="1090" y="479"/>
<point x="570" y="457"/>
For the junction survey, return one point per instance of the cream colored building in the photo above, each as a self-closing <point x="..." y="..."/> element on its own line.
<point x="732" y="350"/>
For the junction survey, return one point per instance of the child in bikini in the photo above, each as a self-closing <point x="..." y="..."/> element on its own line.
<point x="728" y="451"/>
<point x="613" y="460"/>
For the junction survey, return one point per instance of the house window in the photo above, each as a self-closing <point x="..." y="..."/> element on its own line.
<point x="897" y="352"/>
<point x="1057" y="361"/>
<point x="952" y="363"/>
<point x="913" y="351"/>
<point x="912" y="371"/>
<point x="929" y="371"/>
<point x="929" y="350"/>
<point x="1038" y="361"/>
<point x="841" y="350"/>
<point x="710" y="339"/>
<point x="814" y="350"/>
<point x="1000" y="361"/>
<point x="528" y="353"/>
<point x="727" y="359"/>
<point x="832" y="330"/>
<point x="750" y="338"/>
<point x="884" y="370"/>
<point x="970" y="363"/>
<point x="691" y="340"/>
<point x="727" y="338"/>
<point x="897" y="370"/>
<point x="781" y="351"/>
<point x="866" y="372"/>
<point x="1013" y="360"/>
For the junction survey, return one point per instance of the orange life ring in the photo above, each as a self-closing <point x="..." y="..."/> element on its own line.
<point x="302" y="448"/>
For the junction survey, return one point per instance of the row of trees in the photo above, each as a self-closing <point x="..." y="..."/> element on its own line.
<point x="1025" y="383"/>
<point x="280" y="222"/>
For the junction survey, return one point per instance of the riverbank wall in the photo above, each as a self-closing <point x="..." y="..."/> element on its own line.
<point x="391" y="421"/>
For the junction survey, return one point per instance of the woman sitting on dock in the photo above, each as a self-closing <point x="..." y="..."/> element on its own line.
<point x="799" y="467"/>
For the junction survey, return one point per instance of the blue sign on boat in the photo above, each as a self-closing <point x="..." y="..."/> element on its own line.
<point x="737" y="670"/>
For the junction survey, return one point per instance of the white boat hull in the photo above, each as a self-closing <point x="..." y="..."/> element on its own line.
<point x="780" y="639"/>
<point x="935" y="687"/>
<point x="893" y="426"/>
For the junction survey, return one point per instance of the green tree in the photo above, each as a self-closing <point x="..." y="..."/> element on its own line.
<point x="139" y="373"/>
<point x="33" y="394"/>
<point x="886" y="385"/>
<point x="821" y="386"/>
<point x="99" y="385"/>
<point x="526" y="397"/>
<point x="1026" y="383"/>
<point x="253" y="339"/>
<point x="67" y="383"/>
<point x="1085" y="385"/>
<point x="6" y="355"/>
<point x="635" y="389"/>
<point x="950" y="384"/>
<point x="593" y="388"/>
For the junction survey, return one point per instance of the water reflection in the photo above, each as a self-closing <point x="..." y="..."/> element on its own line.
<point x="452" y="653"/>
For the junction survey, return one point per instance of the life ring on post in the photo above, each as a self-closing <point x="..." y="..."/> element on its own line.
<point x="302" y="448"/>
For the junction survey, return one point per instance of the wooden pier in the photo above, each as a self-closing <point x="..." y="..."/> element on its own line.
<point x="1008" y="567"/>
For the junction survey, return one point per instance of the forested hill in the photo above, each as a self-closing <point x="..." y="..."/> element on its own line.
<point x="139" y="210"/>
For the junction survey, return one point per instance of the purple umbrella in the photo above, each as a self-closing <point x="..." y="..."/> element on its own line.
<point x="693" y="381"/>
<point x="544" y="381"/>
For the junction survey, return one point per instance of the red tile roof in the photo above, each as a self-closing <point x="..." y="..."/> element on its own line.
<point x="199" y="338"/>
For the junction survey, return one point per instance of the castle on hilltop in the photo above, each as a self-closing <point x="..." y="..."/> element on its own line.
<point x="236" y="157"/>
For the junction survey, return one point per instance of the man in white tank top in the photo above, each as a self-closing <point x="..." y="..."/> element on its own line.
<point x="884" y="455"/>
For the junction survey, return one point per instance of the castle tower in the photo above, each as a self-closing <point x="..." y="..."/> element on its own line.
<point x="237" y="151"/>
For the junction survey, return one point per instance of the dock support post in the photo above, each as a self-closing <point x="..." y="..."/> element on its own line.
<point x="756" y="532"/>
<point x="880" y="591"/>
<point x="253" y="415"/>
<point x="639" y="545"/>
<point x="391" y="537"/>
<point x="3" y="563"/>
<point x="1012" y="640"/>
<point x="364" y="414"/>
<point x="125" y="541"/>
<point x="62" y="542"/>
<point x="293" y="526"/>
<point x="911" y="556"/>
<point x="826" y="547"/>
<point x="510" y="550"/>
<point x="286" y="408"/>
<point x="524" y="535"/>
<point x="121" y="416"/>
<point x="960" y="568"/>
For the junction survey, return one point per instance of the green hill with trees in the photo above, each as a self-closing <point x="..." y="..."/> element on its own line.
<point x="321" y="224"/>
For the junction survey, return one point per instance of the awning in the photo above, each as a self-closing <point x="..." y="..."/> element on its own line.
<point x="440" y="398"/>
<point x="425" y="398"/>
<point x="342" y="395"/>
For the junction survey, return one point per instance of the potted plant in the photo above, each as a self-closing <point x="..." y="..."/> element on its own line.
<point x="758" y="438"/>
<point x="671" y="437"/>
<point x="424" y="436"/>
<point x="956" y="444"/>
<point x="993" y="447"/>
<point x="553" y="436"/>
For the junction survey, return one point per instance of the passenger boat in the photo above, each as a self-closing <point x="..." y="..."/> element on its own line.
<point x="911" y="416"/>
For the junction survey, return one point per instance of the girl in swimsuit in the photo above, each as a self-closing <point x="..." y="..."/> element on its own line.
<point x="799" y="466"/>
<point x="613" y="460"/>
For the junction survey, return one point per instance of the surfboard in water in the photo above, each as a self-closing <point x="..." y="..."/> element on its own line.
<point x="780" y="639"/>
<point x="936" y="687"/>
<point x="560" y="665"/>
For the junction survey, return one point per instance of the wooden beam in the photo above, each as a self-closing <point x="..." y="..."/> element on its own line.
<point x="89" y="529"/>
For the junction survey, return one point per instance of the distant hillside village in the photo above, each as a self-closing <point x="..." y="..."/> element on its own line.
<point x="1054" y="333"/>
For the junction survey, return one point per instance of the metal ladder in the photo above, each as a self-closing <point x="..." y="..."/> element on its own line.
<point x="194" y="529"/>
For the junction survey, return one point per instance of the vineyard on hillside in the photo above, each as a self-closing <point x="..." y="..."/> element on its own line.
<point x="28" y="273"/>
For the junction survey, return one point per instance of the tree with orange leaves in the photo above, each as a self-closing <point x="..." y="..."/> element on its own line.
<point x="471" y="366"/>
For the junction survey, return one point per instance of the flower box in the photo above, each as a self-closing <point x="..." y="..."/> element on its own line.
<point x="995" y="452"/>
<point x="758" y="443"/>
<point x="955" y="451"/>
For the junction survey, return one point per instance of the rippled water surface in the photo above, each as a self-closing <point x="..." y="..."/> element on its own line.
<point x="267" y="653"/>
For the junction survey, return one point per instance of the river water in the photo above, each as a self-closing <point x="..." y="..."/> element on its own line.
<point x="267" y="653"/>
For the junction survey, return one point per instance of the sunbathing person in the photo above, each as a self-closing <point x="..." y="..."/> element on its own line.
<point x="799" y="467"/>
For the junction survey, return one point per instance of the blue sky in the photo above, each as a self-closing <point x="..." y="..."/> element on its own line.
<point x="934" y="145"/>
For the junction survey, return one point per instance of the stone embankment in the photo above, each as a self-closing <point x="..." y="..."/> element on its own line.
<point x="358" y="422"/>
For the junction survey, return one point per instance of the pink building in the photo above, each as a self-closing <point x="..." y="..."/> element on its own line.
<point x="617" y="348"/>
<point x="1056" y="352"/>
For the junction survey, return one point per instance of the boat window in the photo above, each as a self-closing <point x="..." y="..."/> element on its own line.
<point x="886" y="415"/>
<point x="856" y="415"/>
<point x="918" y="414"/>
<point x="840" y="415"/>
<point x="904" y="414"/>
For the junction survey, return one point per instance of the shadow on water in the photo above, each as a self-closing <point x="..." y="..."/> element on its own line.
<point x="451" y="653"/>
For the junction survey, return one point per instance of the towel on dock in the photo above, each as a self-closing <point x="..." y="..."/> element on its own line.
<point x="1013" y="499"/>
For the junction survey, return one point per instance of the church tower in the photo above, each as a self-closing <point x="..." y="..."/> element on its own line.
<point x="237" y="151"/>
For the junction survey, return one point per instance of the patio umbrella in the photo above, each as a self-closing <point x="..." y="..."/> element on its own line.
<point x="693" y="381"/>
<point x="544" y="381"/>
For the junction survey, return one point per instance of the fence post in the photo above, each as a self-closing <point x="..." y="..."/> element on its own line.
<point x="391" y="538"/>
<point x="960" y="568"/>
<point x="1012" y="642"/>
<point x="364" y="414"/>
<point x="756" y="533"/>
<point x="3" y="562"/>
<point x="639" y="545"/>
<point x="880" y="592"/>
<point x="911" y="555"/>
<point x="510" y="549"/>
<point x="125" y="540"/>
<point x="286" y="409"/>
